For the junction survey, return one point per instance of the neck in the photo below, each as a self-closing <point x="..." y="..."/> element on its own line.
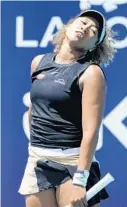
<point x="67" y="54"/>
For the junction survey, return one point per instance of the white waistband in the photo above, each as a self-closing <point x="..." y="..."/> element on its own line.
<point x="56" y="152"/>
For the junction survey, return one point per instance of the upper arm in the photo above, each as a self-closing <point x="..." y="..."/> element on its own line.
<point x="93" y="99"/>
<point x="35" y="63"/>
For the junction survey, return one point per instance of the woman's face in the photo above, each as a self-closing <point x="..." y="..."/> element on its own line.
<point x="83" y="33"/>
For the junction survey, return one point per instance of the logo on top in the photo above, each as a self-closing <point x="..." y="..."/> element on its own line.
<point x="108" y="5"/>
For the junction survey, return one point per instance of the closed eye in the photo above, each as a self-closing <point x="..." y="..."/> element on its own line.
<point x="84" y="22"/>
<point x="94" y="31"/>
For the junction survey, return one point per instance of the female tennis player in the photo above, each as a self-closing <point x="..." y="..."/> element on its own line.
<point x="68" y="97"/>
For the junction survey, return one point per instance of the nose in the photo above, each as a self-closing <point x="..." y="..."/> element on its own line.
<point x="85" y="28"/>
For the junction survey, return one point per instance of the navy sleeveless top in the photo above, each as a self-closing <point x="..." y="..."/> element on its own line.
<point x="56" y="104"/>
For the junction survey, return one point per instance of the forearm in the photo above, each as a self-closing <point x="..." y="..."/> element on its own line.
<point x="87" y="150"/>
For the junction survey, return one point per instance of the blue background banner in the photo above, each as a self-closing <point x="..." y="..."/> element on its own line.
<point x="27" y="30"/>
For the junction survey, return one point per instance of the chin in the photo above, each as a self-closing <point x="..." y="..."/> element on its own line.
<point x="73" y="38"/>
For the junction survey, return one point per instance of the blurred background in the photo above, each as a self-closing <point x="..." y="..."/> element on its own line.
<point x="27" y="31"/>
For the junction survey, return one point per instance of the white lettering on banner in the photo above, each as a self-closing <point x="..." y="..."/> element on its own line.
<point x="20" y="42"/>
<point x="119" y="20"/>
<point x="113" y="121"/>
<point x="108" y="5"/>
<point x="55" y="22"/>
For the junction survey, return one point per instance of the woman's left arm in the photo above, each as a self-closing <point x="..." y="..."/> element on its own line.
<point x="93" y="86"/>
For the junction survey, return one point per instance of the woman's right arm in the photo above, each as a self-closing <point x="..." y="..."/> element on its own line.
<point x="34" y="65"/>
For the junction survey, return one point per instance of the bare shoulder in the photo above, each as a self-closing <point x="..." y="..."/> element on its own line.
<point x="35" y="62"/>
<point x="93" y="75"/>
